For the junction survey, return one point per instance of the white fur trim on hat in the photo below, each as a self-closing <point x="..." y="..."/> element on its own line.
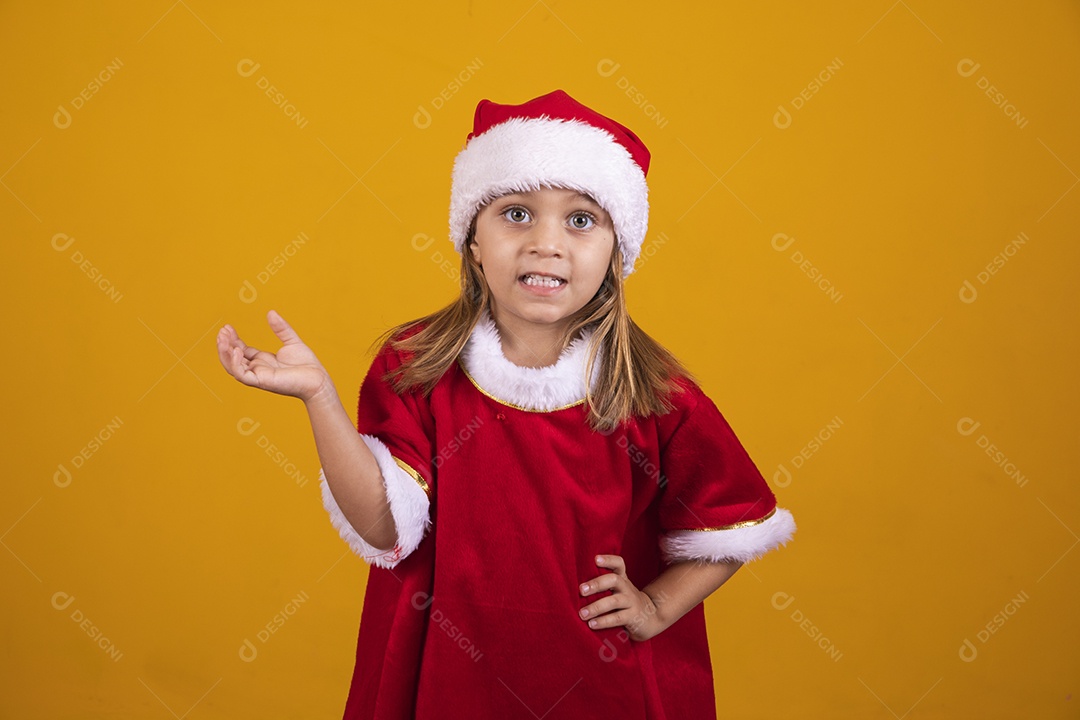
<point x="742" y="543"/>
<point x="523" y="154"/>
<point x="408" y="505"/>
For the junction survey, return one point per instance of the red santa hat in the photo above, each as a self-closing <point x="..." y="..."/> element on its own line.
<point x="555" y="141"/>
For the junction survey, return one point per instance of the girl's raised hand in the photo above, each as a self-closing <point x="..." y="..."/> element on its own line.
<point x="293" y="370"/>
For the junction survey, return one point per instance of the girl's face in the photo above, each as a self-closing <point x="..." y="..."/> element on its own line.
<point x="550" y="232"/>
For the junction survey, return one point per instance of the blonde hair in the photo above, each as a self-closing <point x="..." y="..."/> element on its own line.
<point x="637" y="374"/>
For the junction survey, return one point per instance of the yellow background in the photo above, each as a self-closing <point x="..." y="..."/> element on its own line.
<point x="898" y="180"/>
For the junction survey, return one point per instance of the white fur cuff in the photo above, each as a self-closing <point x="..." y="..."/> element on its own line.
<point x="409" y="506"/>
<point x="742" y="543"/>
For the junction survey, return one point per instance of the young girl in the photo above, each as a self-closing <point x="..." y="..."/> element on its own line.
<point x="540" y="545"/>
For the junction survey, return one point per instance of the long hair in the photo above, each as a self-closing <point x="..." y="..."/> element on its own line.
<point x="637" y="373"/>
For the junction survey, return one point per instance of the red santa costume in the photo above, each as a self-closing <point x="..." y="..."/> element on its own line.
<point x="503" y="495"/>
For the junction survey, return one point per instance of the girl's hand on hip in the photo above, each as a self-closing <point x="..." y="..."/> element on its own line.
<point x="625" y="606"/>
<point x="293" y="370"/>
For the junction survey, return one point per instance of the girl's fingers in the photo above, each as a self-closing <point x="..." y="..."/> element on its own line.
<point x="225" y="350"/>
<point x="606" y="611"/>
<point x="599" y="584"/>
<point x="613" y="562"/>
<point x="240" y="371"/>
<point x="600" y="607"/>
<point x="228" y="338"/>
<point x="228" y="334"/>
<point x="237" y="361"/>
<point x="281" y="328"/>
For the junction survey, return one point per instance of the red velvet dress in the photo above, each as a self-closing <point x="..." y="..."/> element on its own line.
<point x="474" y="614"/>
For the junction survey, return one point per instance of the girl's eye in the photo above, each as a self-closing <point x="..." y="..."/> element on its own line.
<point x="582" y="221"/>
<point x="516" y="214"/>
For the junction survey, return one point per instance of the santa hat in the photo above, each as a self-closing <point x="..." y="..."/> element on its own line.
<point x="552" y="140"/>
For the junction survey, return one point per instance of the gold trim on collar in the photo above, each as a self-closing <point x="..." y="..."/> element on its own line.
<point x="415" y="475"/>
<point x="732" y="526"/>
<point x="461" y="364"/>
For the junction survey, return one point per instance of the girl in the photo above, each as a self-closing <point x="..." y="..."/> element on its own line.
<point x="540" y="544"/>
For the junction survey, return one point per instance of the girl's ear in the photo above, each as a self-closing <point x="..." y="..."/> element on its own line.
<point x="470" y="237"/>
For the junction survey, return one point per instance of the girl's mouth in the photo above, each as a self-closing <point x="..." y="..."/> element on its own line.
<point x="541" y="284"/>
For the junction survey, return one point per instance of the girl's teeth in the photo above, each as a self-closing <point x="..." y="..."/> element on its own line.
<point x="535" y="280"/>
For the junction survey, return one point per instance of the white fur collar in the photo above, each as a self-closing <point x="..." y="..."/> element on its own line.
<point x="542" y="389"/>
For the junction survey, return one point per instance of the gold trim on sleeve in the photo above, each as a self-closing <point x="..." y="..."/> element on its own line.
<point x="732" y="526"/>
<point x="415" y="475"/>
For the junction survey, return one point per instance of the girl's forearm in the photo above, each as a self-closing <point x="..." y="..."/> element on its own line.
<point x="351" y="471"/>
<point x="682" y="586"/>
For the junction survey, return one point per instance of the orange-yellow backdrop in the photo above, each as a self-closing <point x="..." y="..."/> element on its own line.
<point x="862" y="240"/>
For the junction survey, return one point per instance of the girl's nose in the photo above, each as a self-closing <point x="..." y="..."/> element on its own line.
<point x="548" y="237"/>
